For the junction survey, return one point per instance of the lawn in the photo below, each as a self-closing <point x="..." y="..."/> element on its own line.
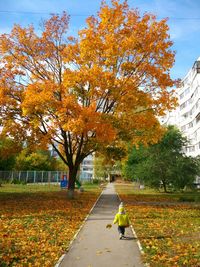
<point x="168" y="229"/>
<point x="37" y="222"/>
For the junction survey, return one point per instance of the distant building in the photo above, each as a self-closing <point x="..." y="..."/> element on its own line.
<point x="87" y="168"/>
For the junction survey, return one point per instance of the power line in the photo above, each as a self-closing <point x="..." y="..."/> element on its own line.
<point x="82" y="15"/>
<point x="40" y="13"/>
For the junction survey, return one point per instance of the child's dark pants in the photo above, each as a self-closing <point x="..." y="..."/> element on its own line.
<point x="121" y="229"/>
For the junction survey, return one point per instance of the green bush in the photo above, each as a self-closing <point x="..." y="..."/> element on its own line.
<point x="95" y="181"/>
<point x="187" y="199"/>
<point x="16" y="181"/>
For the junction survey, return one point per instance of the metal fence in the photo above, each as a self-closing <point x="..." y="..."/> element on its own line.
<point x="32" y="176"/>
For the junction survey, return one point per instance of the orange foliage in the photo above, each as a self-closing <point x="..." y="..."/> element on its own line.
<point x="36" y="228"/>
<point x="109" y="84"/>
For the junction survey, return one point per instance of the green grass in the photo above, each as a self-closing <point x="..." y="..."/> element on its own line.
<point x="149" y="194"/>
<point x="34" y="188"/>
<point x="38" y="222"/>
<point x="167" y="226"/>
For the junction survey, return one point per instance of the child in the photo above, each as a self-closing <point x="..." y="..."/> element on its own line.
<point x="122" y="219"/>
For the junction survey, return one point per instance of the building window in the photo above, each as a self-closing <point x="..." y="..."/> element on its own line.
<point x="187" y="91"/>
<point x="197" y="104"/>
<point x="194" y="136"/>
<point x="87" y="162"/>
<point x="185" y="149"/>
<point x="190" y="125"/>
<point x="196" y="91"/>
<point x="197" y="65"/>
<point x="183" y="128"/>
<point x="183" y="106"/>
<point x="198" y="117"/>
<point x="87" y="169"/>
<point x="185" y="115"/>
<point x="182" y="95"/>
<point x="191" y="149"/>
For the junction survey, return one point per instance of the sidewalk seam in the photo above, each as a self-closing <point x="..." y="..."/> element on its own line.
<point x="76" y="234"/>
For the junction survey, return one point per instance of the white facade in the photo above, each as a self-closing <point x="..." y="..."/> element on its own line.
<point x="87" y="168"/>
<point x="171" y="118"/>
<point x="187" y="115"/>
<point x="188" y="112"/>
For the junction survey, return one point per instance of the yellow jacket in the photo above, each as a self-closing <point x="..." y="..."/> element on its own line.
<point x="122" y="218"/>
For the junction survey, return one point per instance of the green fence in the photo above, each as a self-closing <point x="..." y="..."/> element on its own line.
<point x="32" y="176"/>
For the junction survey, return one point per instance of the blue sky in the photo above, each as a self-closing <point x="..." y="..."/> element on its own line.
<point x="184" y="21"/>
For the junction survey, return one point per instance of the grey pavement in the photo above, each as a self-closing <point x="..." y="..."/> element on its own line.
<point x="97" y="246"/>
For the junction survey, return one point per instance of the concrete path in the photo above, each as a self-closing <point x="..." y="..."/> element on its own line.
<point x="97" y="246"/>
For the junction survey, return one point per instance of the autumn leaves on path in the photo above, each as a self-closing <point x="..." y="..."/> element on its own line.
<point x="98" y="246"/>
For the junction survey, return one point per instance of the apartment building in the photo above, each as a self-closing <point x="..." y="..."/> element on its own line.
<point x="86" y="172"/>
<point x="188" y="112"/>
<point x="187" y="116"/>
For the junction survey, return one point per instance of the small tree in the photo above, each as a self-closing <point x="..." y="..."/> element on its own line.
<point x="186" y="170"/>
<point x="136" y="155"/>
<point x="9" y="149"/>
<point x="39" y="160"/>
<point x="163" y="164"/>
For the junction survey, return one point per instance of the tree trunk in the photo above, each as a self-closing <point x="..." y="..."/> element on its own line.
<point x="72" y="179"/>
<point x="164" y="186"/>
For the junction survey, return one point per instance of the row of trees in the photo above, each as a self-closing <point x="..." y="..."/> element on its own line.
<point x="14" y="157"/>
<point x="163" y="164"/>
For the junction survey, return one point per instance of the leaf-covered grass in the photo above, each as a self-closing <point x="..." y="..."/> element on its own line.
<point x="38" y="222"/>
<point x="169" y="231"/>
<point x="148" y="194"/>
<point x="32" y="188"/>
<point x="28" y="188"/>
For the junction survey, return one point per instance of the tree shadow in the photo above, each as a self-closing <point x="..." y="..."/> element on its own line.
<point x="129" y="238"/>
<point x="157" y="237"/>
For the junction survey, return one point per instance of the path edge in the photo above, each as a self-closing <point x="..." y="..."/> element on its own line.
<point x="77" y="232"/>
<point x="136" y="237"/>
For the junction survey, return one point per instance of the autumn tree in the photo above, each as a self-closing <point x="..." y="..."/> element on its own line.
<point x="80" y="94"/>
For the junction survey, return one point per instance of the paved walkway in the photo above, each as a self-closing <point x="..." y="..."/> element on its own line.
<point x="97" y="246"/>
